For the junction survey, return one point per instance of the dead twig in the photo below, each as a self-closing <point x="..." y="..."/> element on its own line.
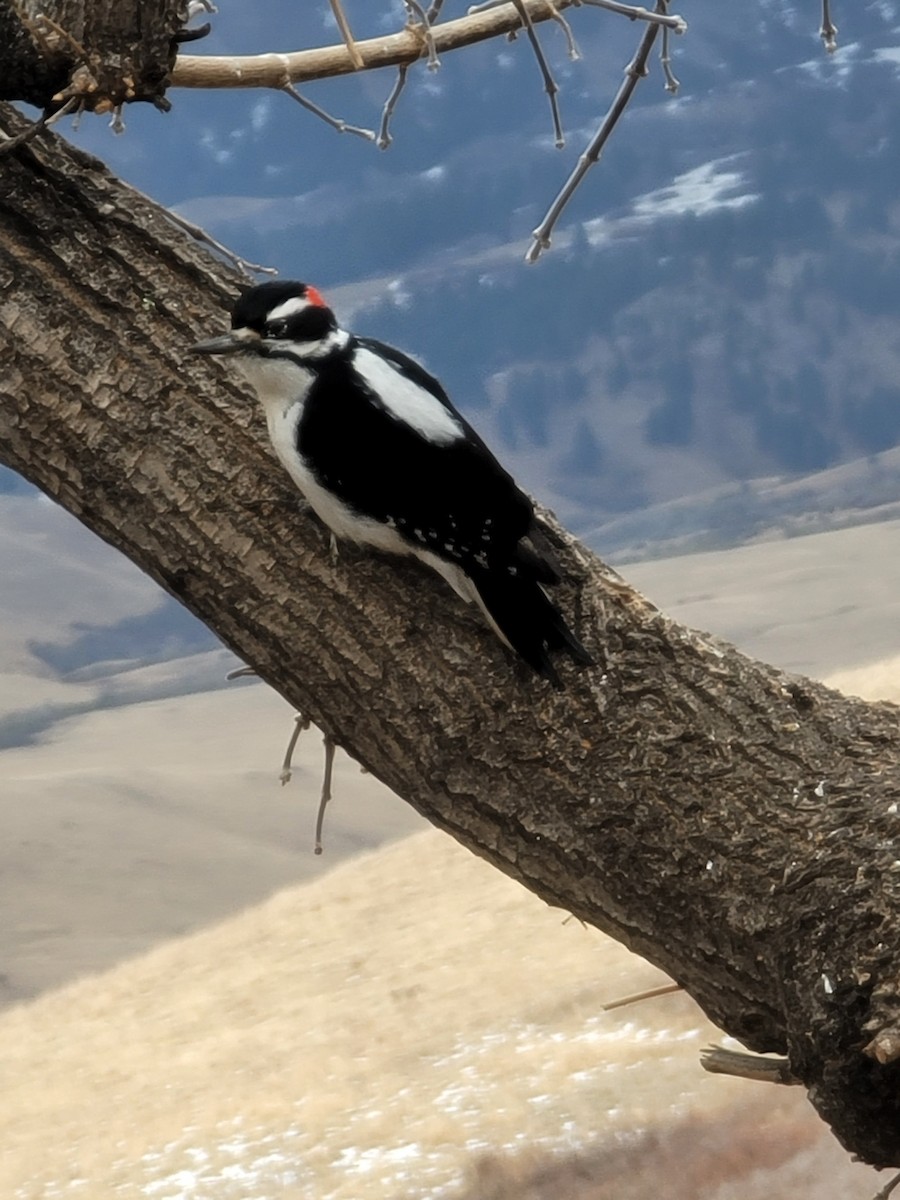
<point x="888" y="1189"/>
<point x="384" y="131"/>
<point x="719" y="1061"/>
<point x="828" y="32"/>
<point x="334" y="122"/>
<point x="198" y="232"/>
<point x="391" y="50"/>
<point x="8" y="144"/>
<point x="664" y="989"/>
<point x="632" y="12"/>
<point x="420" y="23"/>
<point x="571" y="45"/>
<point x="634" y="72"/>
<point x="300" y="723"/>
<point x="344" y="26"/>
<point x="665" y="61"/>
<point x="550" y="85"/>
<point x="669" y="21"/>
<point x="326" y="789"/>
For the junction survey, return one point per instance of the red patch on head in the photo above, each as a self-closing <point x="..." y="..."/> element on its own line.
<point x="315" y="297"/>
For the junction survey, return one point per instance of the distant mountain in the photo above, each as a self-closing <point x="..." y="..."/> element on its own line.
<point x="720" y="304"/>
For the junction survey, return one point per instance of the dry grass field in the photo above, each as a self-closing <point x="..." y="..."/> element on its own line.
<point x="411" y="1025"/>
<point x="219" y="1020"/>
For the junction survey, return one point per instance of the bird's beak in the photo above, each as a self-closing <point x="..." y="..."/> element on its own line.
<point x="228" y="343"/>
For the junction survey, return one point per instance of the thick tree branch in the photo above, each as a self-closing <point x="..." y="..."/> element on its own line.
<point x="394" y="50"/>
<point x="736" y="826"/>
<point x="105" y="52"/>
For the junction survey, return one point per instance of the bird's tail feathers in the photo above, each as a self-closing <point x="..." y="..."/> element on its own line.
<point x="525" y="617"/>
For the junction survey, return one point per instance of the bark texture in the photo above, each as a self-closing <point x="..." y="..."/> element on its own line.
<point x="104" y="52"/>
<point x="736" y="826"/>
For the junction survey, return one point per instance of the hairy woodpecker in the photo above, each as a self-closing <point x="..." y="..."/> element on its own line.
<point x="384" y="459"/>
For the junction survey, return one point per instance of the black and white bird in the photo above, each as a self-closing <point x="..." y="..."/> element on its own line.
<point x="384" y="459"/>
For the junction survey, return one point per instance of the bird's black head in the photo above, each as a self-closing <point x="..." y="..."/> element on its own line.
<point x="285" y="318"/>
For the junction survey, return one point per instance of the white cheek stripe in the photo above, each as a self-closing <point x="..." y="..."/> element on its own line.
<point x="289" y="308"/>
<point x="336" y="340"/>
<point x="407" y="401"/>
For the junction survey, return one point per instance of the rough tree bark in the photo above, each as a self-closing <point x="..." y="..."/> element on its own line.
<point x="103" y="52"/>
<point x="736" y="826"/>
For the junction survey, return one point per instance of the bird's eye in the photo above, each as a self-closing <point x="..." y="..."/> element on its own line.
<point x="276" y="328"/>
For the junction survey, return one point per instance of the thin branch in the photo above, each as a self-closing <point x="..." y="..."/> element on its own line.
<point x="196" y="231"/>
<point x="434" y="11"/>
<point x="550" y="85"/>
<point x="384" y="131"/>
<point x="634" y="13"/>
<point x="326" y="790"/>
<point x="635" y="71"/>
<point x="719" y="1061"/>
<point x="888" y="1189"/>
<point x="828" y="32"/>
<point x="674" y="22"/>
<point x="665" y="61"/>
<point x="422" y="26"/>
<point x="300" y="723"/>
<point x="571" y="45"/>
<point x="8" y="144"/>
<point x="344" y="26"/>
<point x="334" y="122"/>
<point x="393" y="50"/>
<point x="664" y="989"/>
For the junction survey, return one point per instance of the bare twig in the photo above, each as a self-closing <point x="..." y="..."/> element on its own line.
<point x="888" y="1189"/>
<point x="241" y="673"/>
<point x="384" y="130"/>
<point x="634" y="13"/>
<point x="635" y="71"/>
<point x="674" y="22"/>
<point x="334" y="122"/>
<point x="344" y="26"/>
<point x="273" y="70"/>
<point x="420" y="24"/>
<point x="828" y="32"/>
<point x="196" y="231"/>
<point x="434" y="11"/>
<point x="664" y="989"/>
<point x="8" y="144"/>
<point x="326" y="790"/>
<point x="550" y="85"/>
<point x="719" y="1061"/>
<point x="300" y="723"/>
<point x="571" y="45"/>
<point x="665" y="61"/>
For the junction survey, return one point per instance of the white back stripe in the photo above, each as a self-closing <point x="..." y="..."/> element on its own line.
<point x="405" y="400"/>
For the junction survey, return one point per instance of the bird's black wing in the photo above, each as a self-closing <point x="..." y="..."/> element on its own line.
<point x="444" y="493"/>
<point x="451" y="497"/>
